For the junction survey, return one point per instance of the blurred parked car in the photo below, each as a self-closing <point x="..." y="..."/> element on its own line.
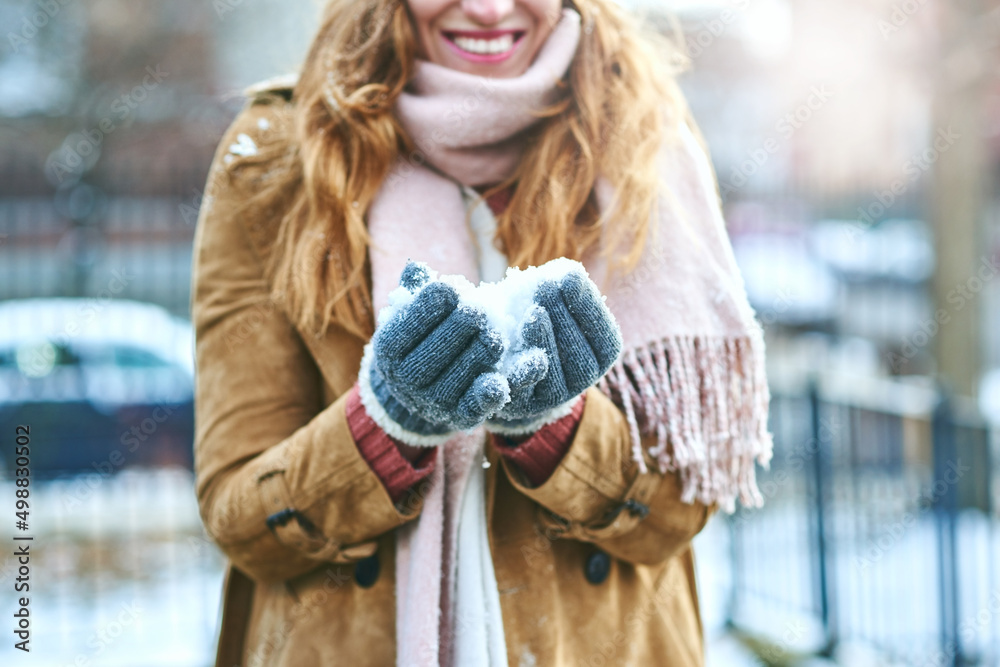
<point x="784" y="283"/>
<point x="893" y="250"/>
<point x="102" y="384"/>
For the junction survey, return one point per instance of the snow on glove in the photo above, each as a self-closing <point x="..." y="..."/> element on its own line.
<point x="429" y="368"/>
<point x="567" y="341"/>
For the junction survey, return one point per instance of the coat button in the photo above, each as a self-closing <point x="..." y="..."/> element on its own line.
<point x="366" y="571"/>
<point x="597" y="567"/>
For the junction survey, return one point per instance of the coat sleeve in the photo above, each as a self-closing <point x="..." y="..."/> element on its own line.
<point x="596" y="493"/>
<point x="281" y="484"/>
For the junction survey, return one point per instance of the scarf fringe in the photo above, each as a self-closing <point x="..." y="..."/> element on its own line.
<point x="705" y="399"/>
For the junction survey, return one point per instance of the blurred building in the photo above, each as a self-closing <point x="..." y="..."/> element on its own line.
<point x="857" y="113"/>
<point x="113" y="109"/>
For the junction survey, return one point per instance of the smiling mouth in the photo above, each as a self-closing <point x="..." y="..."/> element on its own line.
<point x="481" y="45"/>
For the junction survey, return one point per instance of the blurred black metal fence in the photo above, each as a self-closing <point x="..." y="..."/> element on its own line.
<point x="880" y="526"/>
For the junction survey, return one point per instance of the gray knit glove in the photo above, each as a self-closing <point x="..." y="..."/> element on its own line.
<point x="568" y="341"/>
<point x="429" y="370"/>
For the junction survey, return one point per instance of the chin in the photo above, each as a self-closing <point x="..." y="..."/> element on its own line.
<point x="505" y="71"/>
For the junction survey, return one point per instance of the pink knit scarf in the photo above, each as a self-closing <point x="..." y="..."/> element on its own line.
<point x="692" y="344"/>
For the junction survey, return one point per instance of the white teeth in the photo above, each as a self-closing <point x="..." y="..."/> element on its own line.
<point x="485" y="46"/>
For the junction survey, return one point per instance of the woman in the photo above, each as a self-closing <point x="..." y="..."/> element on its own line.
<point x="365" y="522"/>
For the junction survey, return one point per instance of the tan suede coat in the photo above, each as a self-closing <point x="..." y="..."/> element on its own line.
<point x="272" y="436"/>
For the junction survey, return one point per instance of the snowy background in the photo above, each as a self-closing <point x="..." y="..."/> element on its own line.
<point x="857" y="146"/>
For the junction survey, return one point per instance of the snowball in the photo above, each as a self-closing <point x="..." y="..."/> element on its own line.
<point x="507" y="304"/>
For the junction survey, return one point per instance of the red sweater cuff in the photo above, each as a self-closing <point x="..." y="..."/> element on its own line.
<point x="379" y="449"/>
<point x="539" y="455"/>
